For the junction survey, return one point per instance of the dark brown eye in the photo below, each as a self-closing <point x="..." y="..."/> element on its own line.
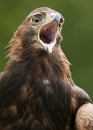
<point x="61" y="22"/>
<point x="36" y="20"/>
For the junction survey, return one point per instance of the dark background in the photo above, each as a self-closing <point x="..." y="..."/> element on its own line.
<point x="77" y="33"/>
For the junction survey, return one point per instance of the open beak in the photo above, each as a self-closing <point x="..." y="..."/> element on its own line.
<point x="48" y="33"/>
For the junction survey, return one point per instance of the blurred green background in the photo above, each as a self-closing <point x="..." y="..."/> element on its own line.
<point x="77" y="33"/>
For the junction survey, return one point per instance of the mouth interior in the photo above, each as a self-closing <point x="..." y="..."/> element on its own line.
<point x="48" y="32"/>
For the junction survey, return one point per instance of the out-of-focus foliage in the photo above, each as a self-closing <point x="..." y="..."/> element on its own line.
<point x="77" y="32"/>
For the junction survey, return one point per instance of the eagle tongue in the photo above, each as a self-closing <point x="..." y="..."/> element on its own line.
<point x="48" y="32"/>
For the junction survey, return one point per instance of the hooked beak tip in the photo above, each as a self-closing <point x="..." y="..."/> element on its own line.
<point x="58" y="18"/>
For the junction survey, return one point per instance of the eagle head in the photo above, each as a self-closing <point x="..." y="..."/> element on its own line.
<point x="41" y="30"/>
<point x="48" y="25"/>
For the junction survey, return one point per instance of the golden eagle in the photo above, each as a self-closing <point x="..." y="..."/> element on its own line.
<point x="36" y="88"/>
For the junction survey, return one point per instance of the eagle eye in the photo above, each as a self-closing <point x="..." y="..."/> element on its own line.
<point x="36" y="20"/>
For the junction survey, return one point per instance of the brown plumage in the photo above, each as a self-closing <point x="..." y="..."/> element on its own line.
<point x="36" y="88"/>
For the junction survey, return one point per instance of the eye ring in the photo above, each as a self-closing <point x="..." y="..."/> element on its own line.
<point x="36" y="20"/>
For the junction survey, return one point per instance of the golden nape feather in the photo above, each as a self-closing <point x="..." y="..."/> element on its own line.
<point x="36" y="87"/>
